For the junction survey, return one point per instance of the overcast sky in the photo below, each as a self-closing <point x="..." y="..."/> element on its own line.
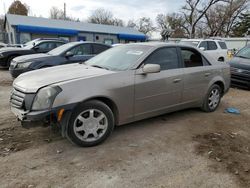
<point x="130" y="9"/>
<point x="126" y="10"/>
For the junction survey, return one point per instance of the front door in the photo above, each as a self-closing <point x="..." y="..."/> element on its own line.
<point x="80" y="53"/>
<point x="157" y="92"/>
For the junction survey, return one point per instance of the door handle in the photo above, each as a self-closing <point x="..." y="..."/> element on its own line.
<point x="207" y="74"/>
<point x="177" y="80"/>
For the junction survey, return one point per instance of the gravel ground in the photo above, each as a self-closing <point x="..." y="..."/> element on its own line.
<point x="183" y="149"/>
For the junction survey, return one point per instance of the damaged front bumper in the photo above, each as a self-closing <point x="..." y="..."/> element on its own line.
<point x="59" y="115"/>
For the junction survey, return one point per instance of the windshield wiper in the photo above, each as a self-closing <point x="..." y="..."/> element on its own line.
<point x="98" y="66"/>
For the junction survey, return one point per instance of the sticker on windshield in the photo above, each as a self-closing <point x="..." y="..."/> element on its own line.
<point x="134" y="52"/>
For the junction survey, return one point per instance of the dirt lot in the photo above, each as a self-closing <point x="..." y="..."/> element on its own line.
<point x="183" y="149"/>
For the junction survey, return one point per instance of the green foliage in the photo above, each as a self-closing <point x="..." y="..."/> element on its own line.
<point x="242" y="26"/>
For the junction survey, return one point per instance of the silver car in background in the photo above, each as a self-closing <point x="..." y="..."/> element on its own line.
<point x="121" y="85"/>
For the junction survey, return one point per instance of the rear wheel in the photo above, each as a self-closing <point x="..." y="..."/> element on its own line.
<point x="212" y="99"/>
<point x="90" y="124"/>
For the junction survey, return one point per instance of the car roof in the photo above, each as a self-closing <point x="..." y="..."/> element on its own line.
<point x="198" y="40"/>
<point x="160" y="44"/>
<point x="89" y="42"/>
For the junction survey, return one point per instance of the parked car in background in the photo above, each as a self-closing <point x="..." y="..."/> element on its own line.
<point x="121" y="85"/>
<point x="2" y="45"/>
<point x="68" y="53"/>
<point x="240" y="68"/>
<point x="216" y="48"/>
<point x="37" y="46"/>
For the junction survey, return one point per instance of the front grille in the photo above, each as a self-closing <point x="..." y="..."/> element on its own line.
<point x="240" y="71"/>
<point x="17" y="99"/>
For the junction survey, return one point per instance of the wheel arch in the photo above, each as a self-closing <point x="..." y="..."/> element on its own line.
<point x="109" y="102"/>
<point x="221" y="59"/>
<point x="222" y="86"/>
<point x="219" y="81"/>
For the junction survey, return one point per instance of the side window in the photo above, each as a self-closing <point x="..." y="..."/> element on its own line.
<point x="191" y="58"/>
<point x="167" y="58"/>
<point x="99" y="48"/>
<point x="223" y="45"/>
<point x="203" y="44"/>
<point x="212" y="45"/>
<point x="84" y="49"/>
<point x="47" y="46"/>
<point x="43" y="46"/>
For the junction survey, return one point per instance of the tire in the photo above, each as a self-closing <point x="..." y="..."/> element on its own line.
<point x="90" y="124"/>
<point x="214" y="93"/>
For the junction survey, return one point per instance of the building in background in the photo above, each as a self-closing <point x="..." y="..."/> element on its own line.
<point x="21" y="29"/>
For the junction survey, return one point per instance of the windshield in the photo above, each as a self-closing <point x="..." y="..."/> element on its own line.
<point x="30" y="45"/>
<point x="190" y="43"/>
<point x="30" y="42"/>
<point x="244" y="53"/>
<point x="119" y="58"/>
<point x="61" y="49"/>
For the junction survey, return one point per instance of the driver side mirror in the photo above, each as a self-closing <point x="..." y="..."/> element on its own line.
<point x="69" y="54"/>
<point x="202" y="48"/>
<point x="151" y="68"/>
<point x="36" y="48"/>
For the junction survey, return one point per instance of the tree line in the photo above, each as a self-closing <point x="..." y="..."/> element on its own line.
<point x="196" y="19"/>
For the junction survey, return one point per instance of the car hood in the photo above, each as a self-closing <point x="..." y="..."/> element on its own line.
<point x="9" y="49"/>
<point x="30" y="82"/>
<point x="32" y="57"/>
<point x="241" y="63"/>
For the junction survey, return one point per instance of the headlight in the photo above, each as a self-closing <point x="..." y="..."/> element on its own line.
<point x="45" y="97"/>
<point x="23" y="65"/>
<point x="1" y="55"/>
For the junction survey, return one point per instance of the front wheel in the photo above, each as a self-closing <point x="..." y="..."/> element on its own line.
<point x="90" y="124"/>
<point x="212" y="99"/>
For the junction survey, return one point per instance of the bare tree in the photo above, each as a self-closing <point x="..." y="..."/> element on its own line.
<point x="101" y="16"/>
<point x="145" y="25"/>
<point x="56" y="13"/>
<point x="118" y="22"/>
<point x="222" y="18"/>
<point x="234" y="9"/>
<point x="171" y="25"/>
<point x="194" y="11"/>
<point x="131" y="23"/>
<point x="17" y="7"/>
<point x="215" y="21"/>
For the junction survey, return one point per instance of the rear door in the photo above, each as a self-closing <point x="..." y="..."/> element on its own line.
<point x="197" y="75"/>
<point x="213" y="49"/>
<point x="157" y="92"/>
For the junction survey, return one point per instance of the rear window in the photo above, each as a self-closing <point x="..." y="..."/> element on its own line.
<point x="223" y="45"/>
